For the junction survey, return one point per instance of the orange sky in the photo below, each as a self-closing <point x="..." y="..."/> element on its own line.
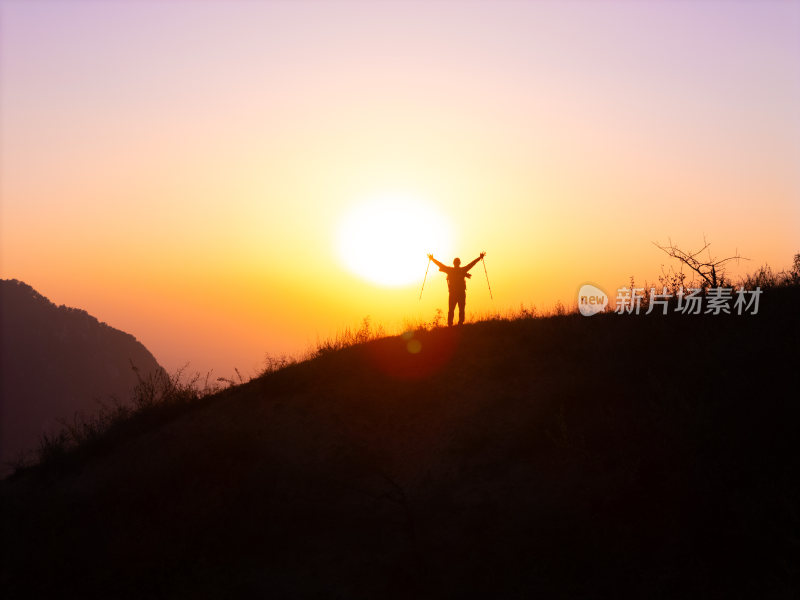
<point x="182" y="171"/>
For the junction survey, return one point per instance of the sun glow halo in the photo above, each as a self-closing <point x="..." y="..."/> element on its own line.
<point x="385" y="240"/>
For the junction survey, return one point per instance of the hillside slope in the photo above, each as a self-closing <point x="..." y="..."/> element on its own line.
<point x="572" y="457"/>
<point x="56" y="361"/>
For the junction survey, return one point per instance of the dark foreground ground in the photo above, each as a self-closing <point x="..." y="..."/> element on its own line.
<point x="562" y="457"/>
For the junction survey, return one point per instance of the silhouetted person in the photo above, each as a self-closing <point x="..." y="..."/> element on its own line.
<point x="457" y="285"/>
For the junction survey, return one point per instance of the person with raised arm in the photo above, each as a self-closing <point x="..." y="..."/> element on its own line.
<point x="456" y="285"/>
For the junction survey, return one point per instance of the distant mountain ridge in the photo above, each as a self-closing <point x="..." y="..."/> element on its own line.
<point x="56" y="361"/>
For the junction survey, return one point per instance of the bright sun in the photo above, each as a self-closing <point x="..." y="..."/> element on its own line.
<point x="385" y="240"/>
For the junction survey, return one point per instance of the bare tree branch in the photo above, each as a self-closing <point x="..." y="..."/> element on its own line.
<point x="711" y="271"/>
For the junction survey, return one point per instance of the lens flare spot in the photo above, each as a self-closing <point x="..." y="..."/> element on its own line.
<point x="414" y="346"/>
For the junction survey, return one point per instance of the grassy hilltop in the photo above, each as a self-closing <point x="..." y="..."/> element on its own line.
<point x="569" y="456"/>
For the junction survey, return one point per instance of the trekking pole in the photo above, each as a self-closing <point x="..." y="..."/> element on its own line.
<point x="487" y="278"/>
<point x="426" y="277"/>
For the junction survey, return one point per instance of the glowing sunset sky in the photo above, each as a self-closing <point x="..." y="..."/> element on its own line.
<point x="184" y="170"/>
